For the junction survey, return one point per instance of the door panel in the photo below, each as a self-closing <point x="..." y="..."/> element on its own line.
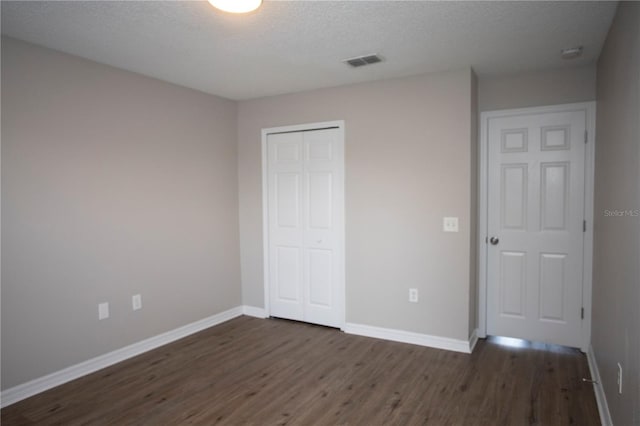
<point x="287" y="149"/>
<point x="514" y="140"/>
<point x="513" y="283"/>
<point x="535" y="213"/>
<point x="287" y="200"/>
<point x="553" y="285"/>
<point x="288" y="274"/>
<point x="319" y="277"/>
<point x="319" y="190"/>
<point x="306" y="219"/>
<point x="317" y="149"/>
<point x="514" y="196"/>
<point x="554" y="196"/>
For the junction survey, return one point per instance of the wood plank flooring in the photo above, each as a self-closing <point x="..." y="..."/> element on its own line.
<point x="249" y="371"/>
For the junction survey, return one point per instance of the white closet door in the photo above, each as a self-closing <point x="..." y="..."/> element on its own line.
<point x="285" y="224"/>
<point x="306" y="205"/>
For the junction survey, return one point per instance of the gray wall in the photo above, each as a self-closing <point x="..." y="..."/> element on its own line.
<point x="115" y="184"/>
<point x="408" y="154"/>
<point x="112" y="184"/>
<point x="616" y="279"/>
<point x="538" y="88"/>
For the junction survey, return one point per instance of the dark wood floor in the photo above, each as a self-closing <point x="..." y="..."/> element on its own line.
<point x="277" y="372"/>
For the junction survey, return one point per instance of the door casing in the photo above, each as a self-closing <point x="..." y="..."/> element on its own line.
<point x="590" y="112"/>
<point x="339" y="125"/>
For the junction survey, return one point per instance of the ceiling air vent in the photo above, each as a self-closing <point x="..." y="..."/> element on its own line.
<point x="363" y="60"/>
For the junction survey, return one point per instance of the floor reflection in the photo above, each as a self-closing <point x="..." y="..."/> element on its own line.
<point x="511" y="342"/>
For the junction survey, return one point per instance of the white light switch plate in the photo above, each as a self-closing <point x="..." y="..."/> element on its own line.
<point x="103" y="310"/>
<point x="450" y="224"/>
<point x="136" y="302"/>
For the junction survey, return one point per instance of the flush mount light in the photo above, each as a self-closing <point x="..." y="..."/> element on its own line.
<point x="572" y="52"/>
<point x="236" y="6"/>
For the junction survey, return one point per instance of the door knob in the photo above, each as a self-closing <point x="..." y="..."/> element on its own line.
<point x="494" y="241"/>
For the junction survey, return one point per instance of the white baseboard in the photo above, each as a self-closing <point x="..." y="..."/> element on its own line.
<point x="253" y="311"/>
<point x="402" y="336"/>
<point x="473" y="340"/>
<point x="601" y="398"/>
<point x="41" y="384"/>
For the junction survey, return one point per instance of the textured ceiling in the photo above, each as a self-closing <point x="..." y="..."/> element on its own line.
<point x="289" y="46"/>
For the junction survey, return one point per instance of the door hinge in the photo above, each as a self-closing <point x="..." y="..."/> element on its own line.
<point x="584" y="226"/>
<point x="581" y="313"/>
<point x="586" y="136"/>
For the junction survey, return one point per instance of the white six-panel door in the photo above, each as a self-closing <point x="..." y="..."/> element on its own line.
<point x="305" y="186"/>
<point x="536" y="205"/>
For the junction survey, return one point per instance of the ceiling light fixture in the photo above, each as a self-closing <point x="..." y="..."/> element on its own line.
<point x="236" y="6"/>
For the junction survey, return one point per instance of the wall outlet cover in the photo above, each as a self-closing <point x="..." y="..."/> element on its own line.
<point x="450" y="224"/>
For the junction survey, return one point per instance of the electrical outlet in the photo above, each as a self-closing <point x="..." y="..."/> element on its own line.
<point x="103" y="310"/>
<point x="619" y="379"/>
<point x="136" y="302"/>
<point x="450" y="224"/>
<point x="413" y="295"/>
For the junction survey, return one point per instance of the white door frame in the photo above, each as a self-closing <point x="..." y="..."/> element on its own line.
<point x="339" y="125"/>
<point x="590" y="110"/>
